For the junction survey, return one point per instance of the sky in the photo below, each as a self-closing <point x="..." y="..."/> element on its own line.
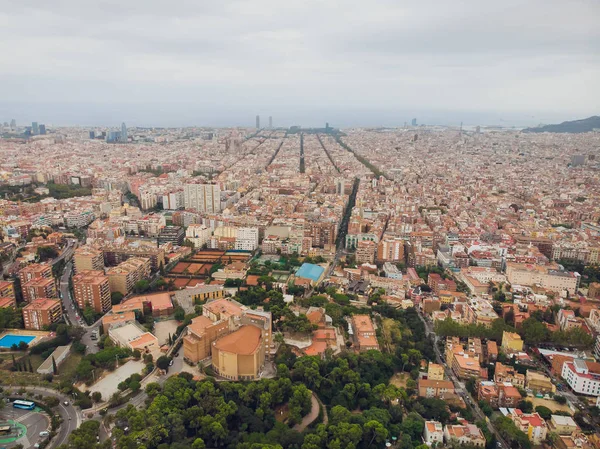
<point x="351" y="63"/>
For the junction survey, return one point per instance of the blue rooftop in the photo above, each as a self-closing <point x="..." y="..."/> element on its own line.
<point x="310" y="271"/>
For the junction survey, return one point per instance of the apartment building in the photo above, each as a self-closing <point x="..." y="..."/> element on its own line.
<point x="171" y="234"/>
<point x="363" y="332"/>
<point x="435" y="372"/>
<point x="87" y="258"/>
<point x="202" y="197"/>
<point x="41" y="313"/>
<point x="511" y="342"/>
<point x="582" y="376"/>
<point x="390" y="250"/>
<point x="7" y="289"/>
<point x="198" y="234"/>
<point x="92" y="288"/>
<point x="532" y="424"/>
<point x="539" y="382"/>
<point x="39" y="288"/>
<point x="433" y="433"/>
<point x="549" y="279"/>
<point x="34" y="271"/>
<point x="115" y="253"/>
<point x="365" y="252"/>
<point x="504" y="373"/>
<point x="430" y="388"/>
<point x="464" y="434"/>
<point x="466" y="367"/>
<point x="246" y="239"/>
<point x="498" y="394"/>
<point x="123" y="277"/>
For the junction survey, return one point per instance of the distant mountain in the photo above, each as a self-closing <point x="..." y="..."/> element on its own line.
<point x="576" y="126"/>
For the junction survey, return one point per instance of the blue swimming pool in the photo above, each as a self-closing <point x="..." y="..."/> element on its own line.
<point x="8" y="340"/>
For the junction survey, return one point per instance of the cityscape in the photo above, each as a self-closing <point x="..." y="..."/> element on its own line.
<point x="300" y="225"/>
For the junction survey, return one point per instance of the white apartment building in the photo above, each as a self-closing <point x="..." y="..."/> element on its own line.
<point x="198" y="234"/>
<point x="582" y="376"/>
<point x="202" y="197"/>
<point x="433" y="433"/>
<point x="173" y="200"/>
<point x="148" y="200"/>
<point x="247" y="239"/>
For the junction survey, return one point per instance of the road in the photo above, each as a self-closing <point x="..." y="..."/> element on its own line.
<point x="64" y="411"/>
<point x="72" y="315"/>
<point x="459" y="386"/>
<point x="67" y="253"/>
<point x="312" y="415"/>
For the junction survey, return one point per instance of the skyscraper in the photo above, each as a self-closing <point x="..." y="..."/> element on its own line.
<point x="258" y="122"/>
<point x="35" y="129"/>
<point x="42" y="129"/>
<point x="92" y="135"/>
<point x="414" y="122"/>
<point x="123" y="132"/>
<point x="270" y="122"/>
<point x="13" y="124"/>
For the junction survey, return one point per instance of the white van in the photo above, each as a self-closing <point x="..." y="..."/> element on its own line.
<point x="44" y="433"/>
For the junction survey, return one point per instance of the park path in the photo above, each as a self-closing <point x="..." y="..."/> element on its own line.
<point x="312" y="415"/>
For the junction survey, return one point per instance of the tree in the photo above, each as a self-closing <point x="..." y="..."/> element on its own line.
<point x="116" y="298"/>
<point x="544" y="412"/>
<point x="141" y="286"/>
<point x="526" y="406"/>
<point x="163" y="362"/>
<point x="375" y="432"/>
<point x="179" y="313"/>
<point x="534" y="332"/>
<point x="198" y="444"/>
<point x="96" y="396"/>
<point x="560" y="399"/>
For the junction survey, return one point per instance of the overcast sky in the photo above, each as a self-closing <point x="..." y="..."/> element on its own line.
<point x="349" y="62"/>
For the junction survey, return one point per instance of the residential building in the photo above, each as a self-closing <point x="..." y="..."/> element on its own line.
<point x="92" y="288"/>
<point x="246" y="239"/>
<point x="466" y="367"/>
<point x="115" y="253"/>
<point x="390" y="250"/>
<point x="433" y="433"/>
<point x="582" y="376"/>
<point x="41" y="313"/>
<point x="171" y="234"/>
<point x="363" y="332"/>
<point x="464" y="434"/>
<point x="429" y="388"/>
<point x="7" y="289"/>
<point x="504" y="373"/>
<point x="198" y="234"/>
<point x="202" y="197"/>
<point x="435" y="372"/>
<point x="365" y="252"/>
<point x="511" y="342"/>
<point x="34" y="271"/>
<point x="547" y="278"/>
<point x="39" y="288"/>
<point x="87" y="258"/>
<point x="562" y="425"/>
<point x="539" y="382"/>
<point x="123" y="277"/>
<point x="531" y="424"/>
<point x="502" y="394"/>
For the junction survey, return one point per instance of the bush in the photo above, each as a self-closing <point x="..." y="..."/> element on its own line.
<point x="560" y="399"/>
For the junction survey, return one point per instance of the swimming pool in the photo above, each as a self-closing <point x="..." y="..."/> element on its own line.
<point x="9" y="339"/>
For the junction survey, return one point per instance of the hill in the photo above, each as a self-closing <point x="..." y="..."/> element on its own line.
<point x="575" y="126"/>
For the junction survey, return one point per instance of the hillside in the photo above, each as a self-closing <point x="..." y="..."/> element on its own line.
<point x="575" y="126"/>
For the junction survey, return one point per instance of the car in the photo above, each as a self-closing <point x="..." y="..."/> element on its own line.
<point x="176" y="354"/>
<point x="171" y="362"/>
<point x="44" y="433"/>
<point x="66" y="402"/>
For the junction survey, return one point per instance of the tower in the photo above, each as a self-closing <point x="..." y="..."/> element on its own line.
<point x="35" y="130"/>
<point x="270" y="122"/>
<point x="258" y="122"/>
<point x="414" y="122"/>
<point x="123" y="132"/>
<point x="13" y="124"/>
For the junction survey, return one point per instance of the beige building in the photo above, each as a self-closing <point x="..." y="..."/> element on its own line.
<point x="123" y="277"/>
<point x="435" y="372"/>
<point x="539" y="382"/>
<point x="88" y="258"/>
<point x="549" y="279"/>
<point x="239" y="355"/>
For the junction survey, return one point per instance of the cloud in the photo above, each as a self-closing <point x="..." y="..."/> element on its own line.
<point x="510" y="56"/>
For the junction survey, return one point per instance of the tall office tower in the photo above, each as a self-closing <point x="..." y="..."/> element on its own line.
<point x="270" y="122"/>
<point x="327" y="126"/>
<point x="35" y="129"/>
<point x="258" y="122"/>
<point x="414" y="122"/>
<point x="42" y="129"/>
<point x="13" y="124"/>
<point x="92" y="135"/>
<point x="478" y="129"/>
<point x="202" y="197"/>
<point x="340" y="186"/>
<point x="123" y="132"/>
<point x="577" y="160"/>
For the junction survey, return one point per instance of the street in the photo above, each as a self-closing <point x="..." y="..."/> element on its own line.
<point x="459" y="386"/>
